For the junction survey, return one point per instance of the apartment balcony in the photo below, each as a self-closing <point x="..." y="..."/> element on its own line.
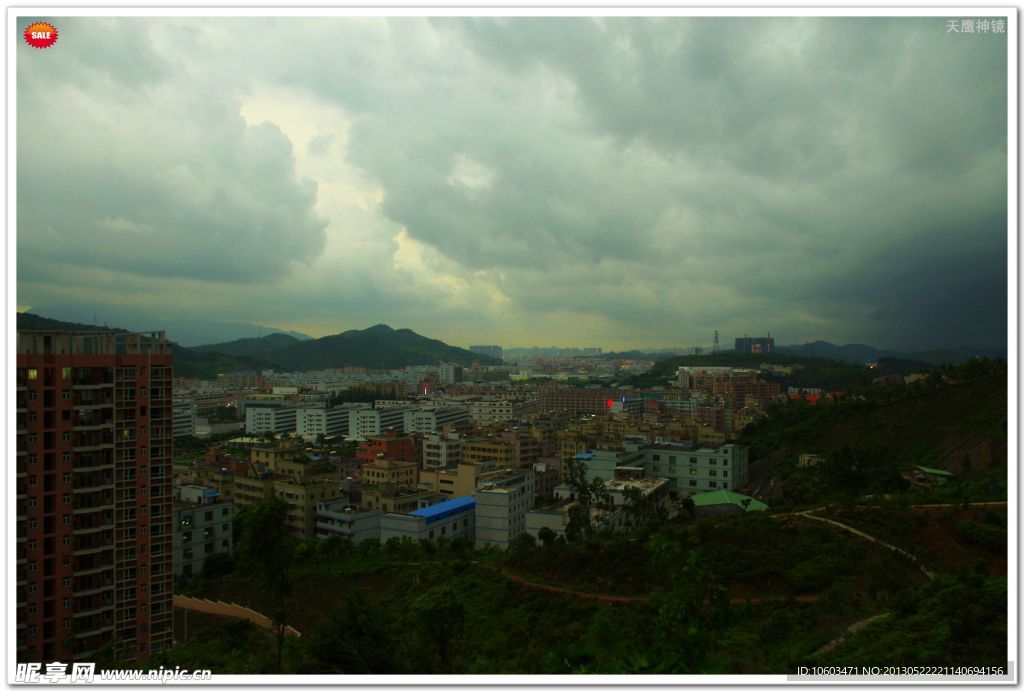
<point x="92" y="570"/>
<point x="95" y="609"/>
<point x="83" y="510"/>
<point x="93" y="426"/>
<point x="93" y="468"/>
<point x="94" y="386"/>
<point x="94" y="591"/>
<point x="90" y="529"/>
<point x="85" y="630"/>
<point x="95" y="549"/>
<point x="93" y="488"/>
<point x="97" y="446"/>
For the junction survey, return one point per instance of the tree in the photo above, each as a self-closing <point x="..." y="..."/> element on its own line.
<point x="688" y="507"/>
<point x="547" y="536"/>
<point x="580" y="526"/>
<point x="266" y="552"/>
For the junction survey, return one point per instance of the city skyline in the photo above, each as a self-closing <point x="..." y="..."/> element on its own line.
<point x="629" y="183"/>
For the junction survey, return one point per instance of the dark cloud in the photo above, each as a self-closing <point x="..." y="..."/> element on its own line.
<point x="644" y="180"/>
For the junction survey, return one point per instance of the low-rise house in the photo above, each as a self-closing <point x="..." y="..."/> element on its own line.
<point x="446" y="520"/>
<point x="202" y="527"/>
<point x="723" y="502"/>
<point x="344" y="519"/>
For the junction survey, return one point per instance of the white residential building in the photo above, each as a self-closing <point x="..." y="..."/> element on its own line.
<point x="692" y="470"/>
<point x="272" y="417"/>
<point x="444" y="521"/>
<point x="441" y="451"/>
<point x="501" y="506"/>
<point x="341" y="518"/>
<point x="184" y="420"/>
<point x="433" y="418"/>
<point x="311" y="422"/>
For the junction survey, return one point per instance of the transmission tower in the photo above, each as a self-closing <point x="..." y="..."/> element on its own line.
<point x="715" y="349"/>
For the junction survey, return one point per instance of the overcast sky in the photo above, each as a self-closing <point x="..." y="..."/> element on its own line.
<point x="612" y="182"/>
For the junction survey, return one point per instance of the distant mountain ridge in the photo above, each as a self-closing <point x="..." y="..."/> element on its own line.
<point x="188" y="332"/>
<point x="187" y="362"/>
<point x="856" y="352"/>
<point x="378" y="347"/>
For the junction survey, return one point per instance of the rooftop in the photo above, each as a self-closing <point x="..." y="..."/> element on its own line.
<point x="724" y="496"/>
<point x="444" y="509"/>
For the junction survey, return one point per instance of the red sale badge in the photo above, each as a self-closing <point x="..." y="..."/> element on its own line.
<point x="41" y="34"/>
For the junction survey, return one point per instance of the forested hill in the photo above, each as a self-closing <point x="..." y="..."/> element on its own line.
<point x="378" y="347"/>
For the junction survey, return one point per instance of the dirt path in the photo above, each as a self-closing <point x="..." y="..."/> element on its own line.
<point x="870" y="538"/>
<point x="229" y="609"/>
<point x="611" y="598"/>
<point x="852" y="628"/>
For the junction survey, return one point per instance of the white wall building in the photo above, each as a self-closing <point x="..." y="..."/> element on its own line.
<point x="501" y="507"/>
<point x="311" y="422"/>
<point x="690" y="471"/>
<point x="184" y="418"/>
<point x="433" y="418"/>
<point x="440" y="451"/>
<point x="444" y="521"/>
<point x="347" y="520"/>
<point x="269" y="417"/>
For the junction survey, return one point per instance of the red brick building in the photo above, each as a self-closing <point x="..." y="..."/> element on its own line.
<point x="94" y="451"/>
<point x="393" y="445"/>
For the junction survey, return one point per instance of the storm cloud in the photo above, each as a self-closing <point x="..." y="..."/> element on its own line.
<point x="615" y="181"/>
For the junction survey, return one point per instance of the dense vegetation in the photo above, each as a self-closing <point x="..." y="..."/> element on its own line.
<point x="741" y="594"/>
<point x="973" y="400"/>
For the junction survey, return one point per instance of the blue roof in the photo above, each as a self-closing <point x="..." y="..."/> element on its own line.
<point x="584" y="455"/>
<point x="445" y="509"/>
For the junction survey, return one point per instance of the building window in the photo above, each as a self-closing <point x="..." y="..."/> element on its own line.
<point x="31" y="395"/>
<point x="65" y="395"/>
<point x="33" y="373"/>
<point x="66" y="457"/>
<point x="66" y="436"/>
<point x="712" y="483"/>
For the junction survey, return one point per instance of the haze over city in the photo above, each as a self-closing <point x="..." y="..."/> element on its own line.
<point x="583" y="181"/>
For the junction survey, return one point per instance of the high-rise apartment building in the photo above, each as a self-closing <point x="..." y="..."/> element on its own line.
<point x="94" y="448"/>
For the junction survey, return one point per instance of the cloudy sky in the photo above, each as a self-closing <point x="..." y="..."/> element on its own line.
<point x="605" y="181"/>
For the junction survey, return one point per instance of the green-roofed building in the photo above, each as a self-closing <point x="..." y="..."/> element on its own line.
<point x="724" y="502"/>
<point x="937" y="475"/>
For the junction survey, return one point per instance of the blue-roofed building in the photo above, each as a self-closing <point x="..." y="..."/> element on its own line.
<point x="444" y="521"/>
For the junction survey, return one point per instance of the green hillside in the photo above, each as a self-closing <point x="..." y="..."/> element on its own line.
<point x="378" y="347"/>
<point x="251" y="347"/>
